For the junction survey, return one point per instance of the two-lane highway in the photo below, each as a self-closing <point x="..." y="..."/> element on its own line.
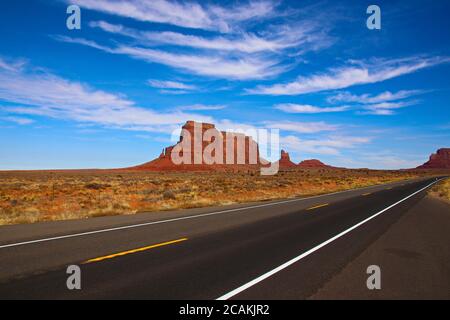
<point x="209" y="253"/>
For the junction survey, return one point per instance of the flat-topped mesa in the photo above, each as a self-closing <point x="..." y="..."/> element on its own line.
<point x="190" y="125"/>
<point x="438" y="160"/>
<point x="199" y="150"/>
<point x="312" y="163"/>
<point x="236" y="148"/>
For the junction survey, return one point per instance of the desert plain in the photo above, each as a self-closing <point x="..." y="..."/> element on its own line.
<point x="34" y="196"/>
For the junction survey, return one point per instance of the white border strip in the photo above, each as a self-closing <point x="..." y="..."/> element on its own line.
<point x="307" y="253"/>
<point x="181" y="218"/>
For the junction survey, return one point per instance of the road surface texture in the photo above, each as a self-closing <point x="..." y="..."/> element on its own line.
<point x="318" y="247"/>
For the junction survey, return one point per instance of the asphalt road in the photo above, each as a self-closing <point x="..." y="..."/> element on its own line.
<point x="271" y="250"/>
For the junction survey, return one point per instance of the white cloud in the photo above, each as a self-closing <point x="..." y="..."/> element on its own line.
<point x="54" y="92"/>
<point x="305" y="108"/>
<point x="202" y="107"/>
<point x="174" y="92"/>
<point x="18" y="120"/>
<point x="383" y="104"/>
<point x="380" y="160"/>
<point x="239" y="54"/>
<point x="356" y="74"/>
<point x="187" y="14"/>
<point x="379" y="112"/>
<point x="214" y="66"/>
<point x="325" y="146"/>
<point x="301" y="127"/>
<point x="388" y="160"/>
<point x="12" y="66"/>
<point x="385" y="108"/>
<point x="305" y="34"/>
<point x="228" y="67"/>
<point x="367" y="98"/>
<point x="45" y="94"/>
<point x="170" y="85"/>
<point x="391" y="105"/>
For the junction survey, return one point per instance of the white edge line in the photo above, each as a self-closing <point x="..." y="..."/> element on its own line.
<point x="310" y="251"/>
<point x="178" y="219"/>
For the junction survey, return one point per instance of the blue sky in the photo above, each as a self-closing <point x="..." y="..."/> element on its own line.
<point x="110" y="95"/>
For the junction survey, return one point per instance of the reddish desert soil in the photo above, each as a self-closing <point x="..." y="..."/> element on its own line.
<point x="27" y="197"/>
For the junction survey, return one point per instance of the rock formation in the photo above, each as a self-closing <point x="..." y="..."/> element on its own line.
<point x="438" y="160"/>
<point x="285" y="160"/>
<point x="202" y="147"/>
<point x="313" y="163"/>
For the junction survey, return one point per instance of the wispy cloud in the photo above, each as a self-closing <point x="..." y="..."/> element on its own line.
<point x="11" y="66"/>
<point x="301" y="127"/>
<point x="202" y="107"/>
<point x="390" y="160"/>
<point x="188" y="14"/>
<point x="170" y="85"/>
<point x="306" y="34"/>
<point x="46" y="94"/>
<point x="383" y="104"/>
<point x="174" y="92"/>
<point x="229" y="67"/>
<point x="357" y="73"/>
<point x="18" y="120"/>
<point x="367" y="98"/>
<point x="306" y="108"/>
<point x="324" y="146"/>
<point x="238" y="53"/>
<point x="386" y="108"/>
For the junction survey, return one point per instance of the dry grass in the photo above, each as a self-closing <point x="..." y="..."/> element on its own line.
<point x="27" y="197"/>
<point x="441" y="190"/>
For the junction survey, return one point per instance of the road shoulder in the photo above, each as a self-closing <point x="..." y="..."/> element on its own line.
<point x="413" y="255"/>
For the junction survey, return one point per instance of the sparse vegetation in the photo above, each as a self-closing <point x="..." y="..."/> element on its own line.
<point x="27" y="197"/>
<point x="441" y="190"/>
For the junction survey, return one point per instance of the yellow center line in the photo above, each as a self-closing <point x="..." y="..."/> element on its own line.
<point x="366" y="194"/>
<point x="389" y="188"/>
<point x="134" y="251"/>
<point x="319" y="206"/>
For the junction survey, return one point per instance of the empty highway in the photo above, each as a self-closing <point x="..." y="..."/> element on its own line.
<point x="289" y="249"/>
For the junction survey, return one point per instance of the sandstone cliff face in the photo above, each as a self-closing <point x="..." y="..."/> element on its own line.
<point x="202" y="147"/>
<point x="197" y="147"/>
<point x="438" y="160"/>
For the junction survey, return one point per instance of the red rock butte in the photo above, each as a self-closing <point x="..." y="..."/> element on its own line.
<point x="238" y="151"/>
<point x="313" y="163"/>
<point x="438" y="160"/>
